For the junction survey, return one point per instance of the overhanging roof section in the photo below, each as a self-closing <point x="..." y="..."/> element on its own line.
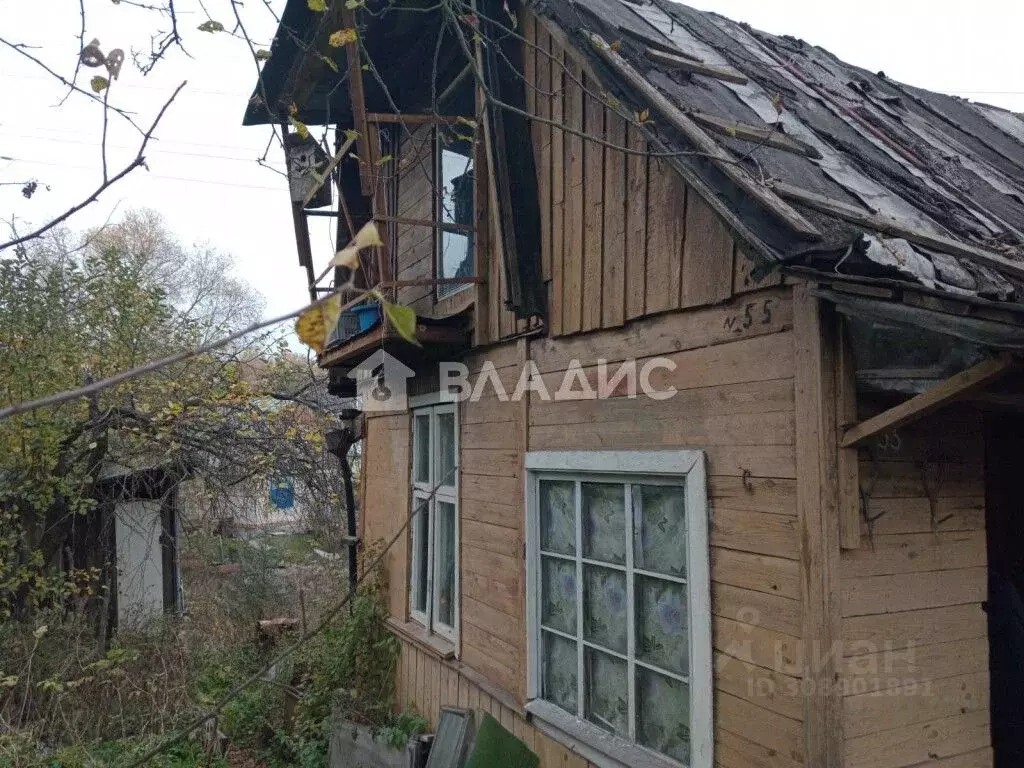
<point x="400" y="39"/>
<point x="901" y="183"/>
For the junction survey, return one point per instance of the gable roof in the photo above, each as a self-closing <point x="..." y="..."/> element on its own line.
<point x="901" y="183"/>
<point x="886" y="183"/>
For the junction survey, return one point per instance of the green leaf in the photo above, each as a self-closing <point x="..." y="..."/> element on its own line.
<point x="99" y="84"/>
<point x="211" y="26"/>
<point x="320" y="6"/>
<point x="384" y="160"/>
<point x="403" y="319"/>
<point x="329" y="62"/>
<point x="262" y="54"/>
<point x="353" y="4"/>
<point x="300" y="127"/>
<point x="351" y="135"/>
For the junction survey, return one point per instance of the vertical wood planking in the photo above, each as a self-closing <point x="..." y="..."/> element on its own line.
<point x="666" y="203"/>
<point x="557" y="86"/>
<point x="542" y="138"/>
<point x="572" y="279"/>
<point x="636" y="224"/>
<point x="817" y="491"/>
<point x="613" y="281"/>
<point x="707" y="274"/>
<point x="593" y="207"/>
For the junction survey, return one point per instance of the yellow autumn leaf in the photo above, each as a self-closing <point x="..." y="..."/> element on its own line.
<point x="366" y="237"/>
<point x="320" y="6"/>
<point x="300" y="127"/>
<point x="342" y="37"/>
<point x="403" y="320"/>
<point x="316" y="322"/>
<point x="99" y="84"/>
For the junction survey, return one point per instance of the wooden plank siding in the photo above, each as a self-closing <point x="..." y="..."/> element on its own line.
<point x="914" y="670"/>
<point x="614" y="221"/>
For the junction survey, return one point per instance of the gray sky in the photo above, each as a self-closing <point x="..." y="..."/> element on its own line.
<point x="203" y="175"/>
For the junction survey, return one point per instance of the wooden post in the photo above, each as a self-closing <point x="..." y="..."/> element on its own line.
<point x="817" y="511"/>
<point x="846" y="417"/>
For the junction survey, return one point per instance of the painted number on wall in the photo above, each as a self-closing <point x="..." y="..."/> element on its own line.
<point x="753" y="313"/>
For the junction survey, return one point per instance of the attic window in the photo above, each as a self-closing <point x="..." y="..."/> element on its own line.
<point x="455" y="240"/>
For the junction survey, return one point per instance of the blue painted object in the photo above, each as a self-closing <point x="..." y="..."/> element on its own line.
<point x="282" y="493"/>
<point x="368" y="314"/>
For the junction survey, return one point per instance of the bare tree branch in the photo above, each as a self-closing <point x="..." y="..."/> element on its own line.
<point x="140" y="159"/>
<point x="22" y="49"/>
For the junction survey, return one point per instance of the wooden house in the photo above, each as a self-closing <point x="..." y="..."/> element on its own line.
<point x="810" y="553"/>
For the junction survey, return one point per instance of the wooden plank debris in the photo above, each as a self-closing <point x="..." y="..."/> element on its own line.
<point x="697" y="68"/>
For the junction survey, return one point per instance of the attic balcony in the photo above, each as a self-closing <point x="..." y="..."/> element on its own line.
<point x="363" y="329"/>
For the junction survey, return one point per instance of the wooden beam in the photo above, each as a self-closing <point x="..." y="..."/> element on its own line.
<point x="421" y="281"/>
<point x="937" y="397"/>
<point x="877" y="223"/>
<point x="816" y="502"/>
<point x="697" y="68"/>
<point x="342" y="151"/>
<point x="358" y="98"/>
<point x="848" y="465"/>
<point x="387" y="117"/>
<point x="702" y="142"/>
<point x="402" y="221"/>
<point x="653" y="42"/>
<point x="766" y="136"/>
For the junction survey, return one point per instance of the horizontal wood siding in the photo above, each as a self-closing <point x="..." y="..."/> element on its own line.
<point x="385" y="504"/>
<point x="915" y="678"/>
<point x="734" y="400"/>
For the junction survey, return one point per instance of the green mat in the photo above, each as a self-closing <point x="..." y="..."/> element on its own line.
<point x="497" y="748"/>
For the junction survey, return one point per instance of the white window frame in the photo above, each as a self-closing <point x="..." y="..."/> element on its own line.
<point x="433" y="406"/>
<point x="652" y="467"/>
<point x="442" y="292"/>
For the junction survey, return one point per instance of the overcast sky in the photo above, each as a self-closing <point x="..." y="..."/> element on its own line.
<point x="202" y="172"/>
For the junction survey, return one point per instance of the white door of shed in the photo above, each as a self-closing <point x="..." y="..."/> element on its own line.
<point x="140" y="571"/>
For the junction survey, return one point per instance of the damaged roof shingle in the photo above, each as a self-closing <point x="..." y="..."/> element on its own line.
<point x="886" y="153"/>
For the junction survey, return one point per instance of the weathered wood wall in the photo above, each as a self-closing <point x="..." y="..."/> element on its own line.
<point x="622" y="236"/>
<point x="915" y="647"/>
<point x="414" y="256"/>
<point x="386" y="496"/>
<point x="735" y="400"/>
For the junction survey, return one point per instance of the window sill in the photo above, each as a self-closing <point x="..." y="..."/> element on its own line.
<point x="435" y="645"/>
<point x="594" y="744"/>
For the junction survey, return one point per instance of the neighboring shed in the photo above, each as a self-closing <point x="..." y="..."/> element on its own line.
<point x="825" y="265"/>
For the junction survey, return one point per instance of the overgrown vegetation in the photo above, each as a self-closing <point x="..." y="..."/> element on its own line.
<point x="66" y="704"/>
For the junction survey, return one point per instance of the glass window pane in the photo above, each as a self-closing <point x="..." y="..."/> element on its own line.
<point x="558" y="516"/>
<point x="558" y="594"/>
<point x="659" y="529"/>
<point x="445" y="558"/>
<point x="661" y="624"/>
<point x="421" y="543"/>
<point x="558" y="671"/>
<point x="607" y="691"/>
<point x="457" y="185"/>
<point x="604" y="607"/>
<point x="446" y="449"/>
<point x="456" y="257"/>
<point x="663" y="714"/>
<point x="604" y="522"/>
<point x="421" y="455"/>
